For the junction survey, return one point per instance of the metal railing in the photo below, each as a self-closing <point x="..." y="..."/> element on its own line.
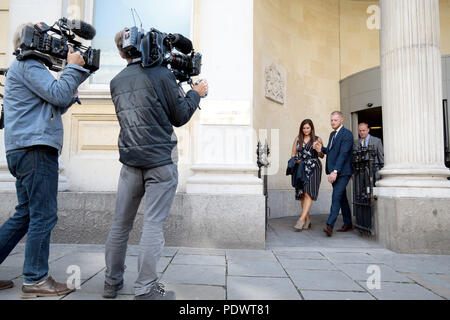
<point x="363" y="184"/>
<point x="263" y="153"/>
<point x="2" y="119"/>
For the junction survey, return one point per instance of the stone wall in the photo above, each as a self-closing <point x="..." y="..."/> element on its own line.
<point x="209" y="221"/>
<point x="303" y="38"/>
<point x="359" y="45"/>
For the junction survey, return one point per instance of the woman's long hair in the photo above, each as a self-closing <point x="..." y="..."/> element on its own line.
<point x="301" y="136"/>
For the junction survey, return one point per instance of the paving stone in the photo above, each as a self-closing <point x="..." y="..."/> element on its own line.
<point x="10" y="273"/>
<point x="96" y="284"/>
<point x="322" y="280"/>
<point x="438" y="283"/>
<point x="169" y="251"/>
<point x="249" y="254"/>
<point x="17" y="259"/>
<point x="98" y="248"/>
<point x="280" y="234"/>
<point x="13" y="260"/>
<point x="401" y="291"/>
<point x="196" y="292"/>
<point x="89" y="263"/>
<point x="192" y="274"/>
<point x="307" y="264"/>
<point x="418" y="264"/>
<point x="302" y="255"/>
<point x="349" y="257"/>
<point x="338" y="243"/>
<point x="359" y="272"/>
<point x="201" y="251"/>
<point x="255" y="268"/>
<point x="335" y="295"/>
<point x="131" y="264"/>
<point x="250" y="288"/>
<point x="133" y="250"/>
<point x="20" y="248"/>
<point x="199" y="260"/>
<point x="93" y="296"/>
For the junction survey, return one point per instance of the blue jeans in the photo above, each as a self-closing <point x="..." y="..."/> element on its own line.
<point x="36" y="171"/>
<point x="339" y="201"/>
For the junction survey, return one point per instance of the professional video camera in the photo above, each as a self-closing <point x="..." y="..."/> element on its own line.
<point x="157" y="48"/>
<point x="40" y="42"/>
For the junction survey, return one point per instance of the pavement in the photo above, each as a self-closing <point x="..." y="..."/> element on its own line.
<point x="295" y="266"/>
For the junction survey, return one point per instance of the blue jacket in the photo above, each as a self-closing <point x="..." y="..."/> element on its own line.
<point x="297" y="173"/>
<point x="34" y="102"/>
<point x="340" y="155"/>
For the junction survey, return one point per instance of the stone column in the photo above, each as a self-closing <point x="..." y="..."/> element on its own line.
<point x="224" y="148"/>
<point x="224" y="204"/>
<point x="414" y="193"/>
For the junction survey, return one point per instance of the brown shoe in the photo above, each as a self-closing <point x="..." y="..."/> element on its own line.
<point x="6" y="284"/>
<point x="345" y="228"/>
<point x="46" y="288"/>
<point x="328" y="230"/>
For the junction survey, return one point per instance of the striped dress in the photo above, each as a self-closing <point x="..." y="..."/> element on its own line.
<point x="313" y="169"/>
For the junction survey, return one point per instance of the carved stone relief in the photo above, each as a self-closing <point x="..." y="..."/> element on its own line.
<point x="275" y="78"/>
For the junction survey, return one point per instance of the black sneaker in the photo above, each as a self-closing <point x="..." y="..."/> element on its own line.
<point x="110" y="292"/>
<point x="157" y="292"/>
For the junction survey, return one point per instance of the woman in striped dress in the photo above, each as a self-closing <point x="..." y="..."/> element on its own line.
<point x="307" y="160"/>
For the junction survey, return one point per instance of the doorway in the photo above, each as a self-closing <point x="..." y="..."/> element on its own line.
<point x="374" y="118"/>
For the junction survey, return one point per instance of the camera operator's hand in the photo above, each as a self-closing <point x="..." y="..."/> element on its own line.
<point x="75" y="57"/>
<point x="201" y="88"/>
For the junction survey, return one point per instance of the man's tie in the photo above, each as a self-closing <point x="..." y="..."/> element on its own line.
<point x="332" y="139"/>
<point x="363" y="142"/>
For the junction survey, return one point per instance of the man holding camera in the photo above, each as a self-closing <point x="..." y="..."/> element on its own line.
<point x="148" y="104"/>
<point x="33" y="104"/>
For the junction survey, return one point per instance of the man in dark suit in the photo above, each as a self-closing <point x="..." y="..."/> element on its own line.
<point x="366" y="140"/>
<point x="339" y="168"/>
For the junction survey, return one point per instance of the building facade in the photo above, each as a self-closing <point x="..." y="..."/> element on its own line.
<point x="270" y="64"/>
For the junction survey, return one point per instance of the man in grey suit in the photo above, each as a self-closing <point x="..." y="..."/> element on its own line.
<point x="367" y="140"/>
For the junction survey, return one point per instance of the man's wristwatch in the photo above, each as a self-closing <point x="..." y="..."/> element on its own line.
<point x="335" y="171"/>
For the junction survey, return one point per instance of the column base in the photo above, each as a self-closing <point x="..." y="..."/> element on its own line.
<point x="8" y="182"/>
<point x="209" y="179"/>
<point x="413" y="220"/>
<point x="428" y="177"/>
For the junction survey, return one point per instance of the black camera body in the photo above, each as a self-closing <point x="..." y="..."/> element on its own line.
<point x="38" y="42"/>
<point x="156" y="48"/>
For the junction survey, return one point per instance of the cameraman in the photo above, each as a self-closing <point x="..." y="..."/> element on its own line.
<point x="33" y="104"/>
<point x="148" y="104"/>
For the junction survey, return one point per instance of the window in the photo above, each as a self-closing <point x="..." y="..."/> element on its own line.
<point x="111" y="16"/>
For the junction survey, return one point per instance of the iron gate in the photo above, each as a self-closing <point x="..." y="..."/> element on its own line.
<point x="263" y="153"/>
<point x="2" y="73"/>
<point x="363" y="184"/>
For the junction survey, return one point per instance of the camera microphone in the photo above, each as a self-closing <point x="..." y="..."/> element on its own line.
<point x="82" y="29"/>
<point x="181" y="43"/>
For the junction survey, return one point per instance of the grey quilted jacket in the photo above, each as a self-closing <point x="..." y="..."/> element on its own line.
<point x="148" y="104"/>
